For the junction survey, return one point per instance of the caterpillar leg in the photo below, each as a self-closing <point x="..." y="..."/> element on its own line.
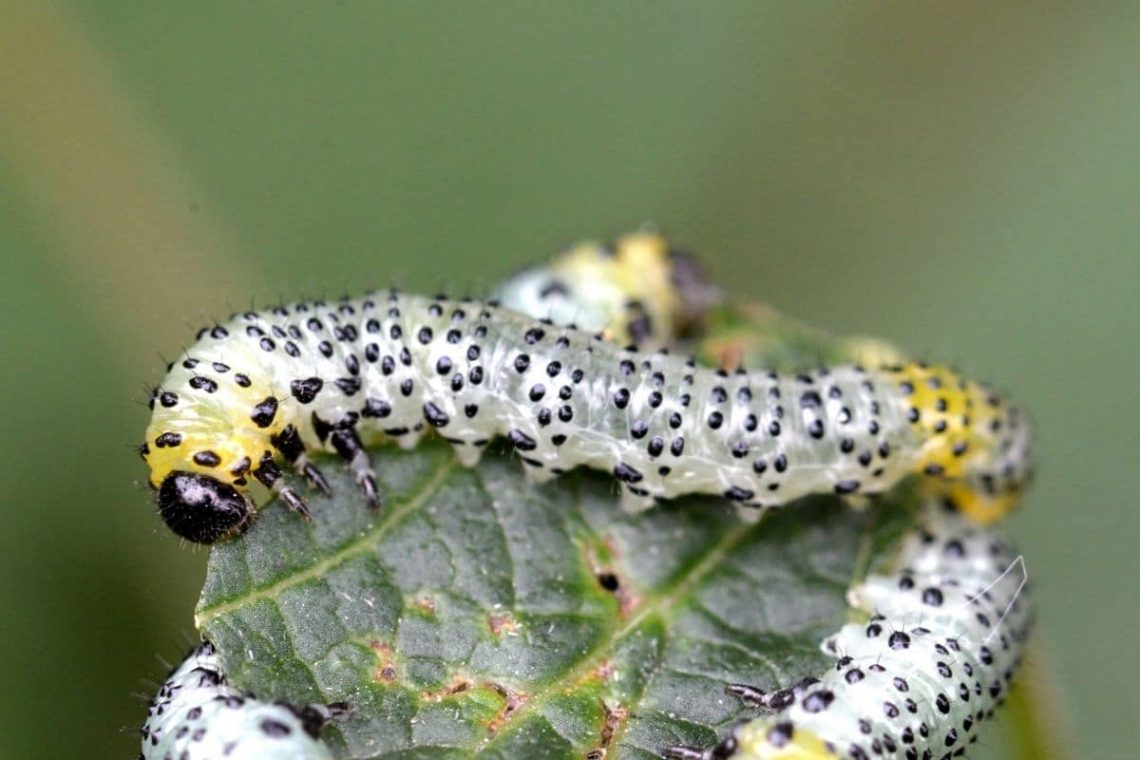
<point x="538" y="475"/>
<point x="749" y="695"/>
<point x="859" y="502"/>
<point x="347" y="445"/>
<point x="468" y="454"/>
<point x="635" y="500"/>
<point x="750" y="512"/>
<point x="288" y="442"/>
<point x="313" y="475"/>
<point x="269" y="475"/>
<point x="774" y="700"/>
<point x="780" y="741"/>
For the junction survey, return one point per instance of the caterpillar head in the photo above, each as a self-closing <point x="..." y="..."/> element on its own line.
<point x="200" y="508"/>
<point x="208" y="435"/>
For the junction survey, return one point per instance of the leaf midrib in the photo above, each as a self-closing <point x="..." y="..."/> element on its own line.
<point x="653" y="604"/>
<point x="661" y="603"/>
<point x="360" y="545"/>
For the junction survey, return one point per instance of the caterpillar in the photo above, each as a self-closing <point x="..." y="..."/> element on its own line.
<point x="727" y="333"/>
<point x="944" y="637"/>
<point x="198" y="715"/>
<point x="637" y="290"/>
<point x="280" y="384"/>
<point x="788" y="734"/>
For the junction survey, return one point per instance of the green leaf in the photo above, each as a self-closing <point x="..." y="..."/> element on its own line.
<point x="480" y="615"/>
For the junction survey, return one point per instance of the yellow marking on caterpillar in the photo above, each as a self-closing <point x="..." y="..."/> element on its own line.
<point x="971" y="441"/>
<point x="760" y="740"/>
<point x="872" y="352"/>
<point x="182" y="436"/>
<point x="637" y="271"/>
<point x="979" y="507"/>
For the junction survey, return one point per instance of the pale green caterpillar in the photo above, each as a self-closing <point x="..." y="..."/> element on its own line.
<point x="274" y="386"/>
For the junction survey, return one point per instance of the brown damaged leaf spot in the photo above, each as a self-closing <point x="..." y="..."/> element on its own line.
<point x="601" y="674"/>
<point x="458" y="685"/>
<point x="425" y="604"/>
<point x="614" y="718"/>
<point x="503" y="624"/>
<point x="514" y="701"/>
<point x="728" y="354"/>
<point x="385" y="670"/>
<point x="612" y="582"/>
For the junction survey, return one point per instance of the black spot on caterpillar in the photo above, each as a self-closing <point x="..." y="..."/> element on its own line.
<point x="198" y="715"/>
<point x="945" y="634"/>
<point x="390" y="366"/>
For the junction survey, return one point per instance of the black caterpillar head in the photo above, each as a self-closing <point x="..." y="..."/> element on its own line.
<point x="200" y="508"/>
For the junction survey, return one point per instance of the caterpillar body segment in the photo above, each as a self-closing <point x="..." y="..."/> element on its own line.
<point x="638" y="290"/>
<point x="962" y="421"/>
<point x="269" y="388"/>
<point x="943" y="637"/>
<point x="198" y="715"/>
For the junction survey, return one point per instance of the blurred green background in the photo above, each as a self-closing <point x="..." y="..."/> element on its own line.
<point x="961" y="180"/>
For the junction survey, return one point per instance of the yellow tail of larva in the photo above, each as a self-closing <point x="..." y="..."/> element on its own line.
<point x="975" y="447"/>
<point x="639" y="277"/>
<point x="213" y="433"/>
<point x="763" y="740"/>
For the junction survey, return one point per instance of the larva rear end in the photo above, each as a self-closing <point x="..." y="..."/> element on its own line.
<point x="212" y="437"/>
<point x="976" y="445"/>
